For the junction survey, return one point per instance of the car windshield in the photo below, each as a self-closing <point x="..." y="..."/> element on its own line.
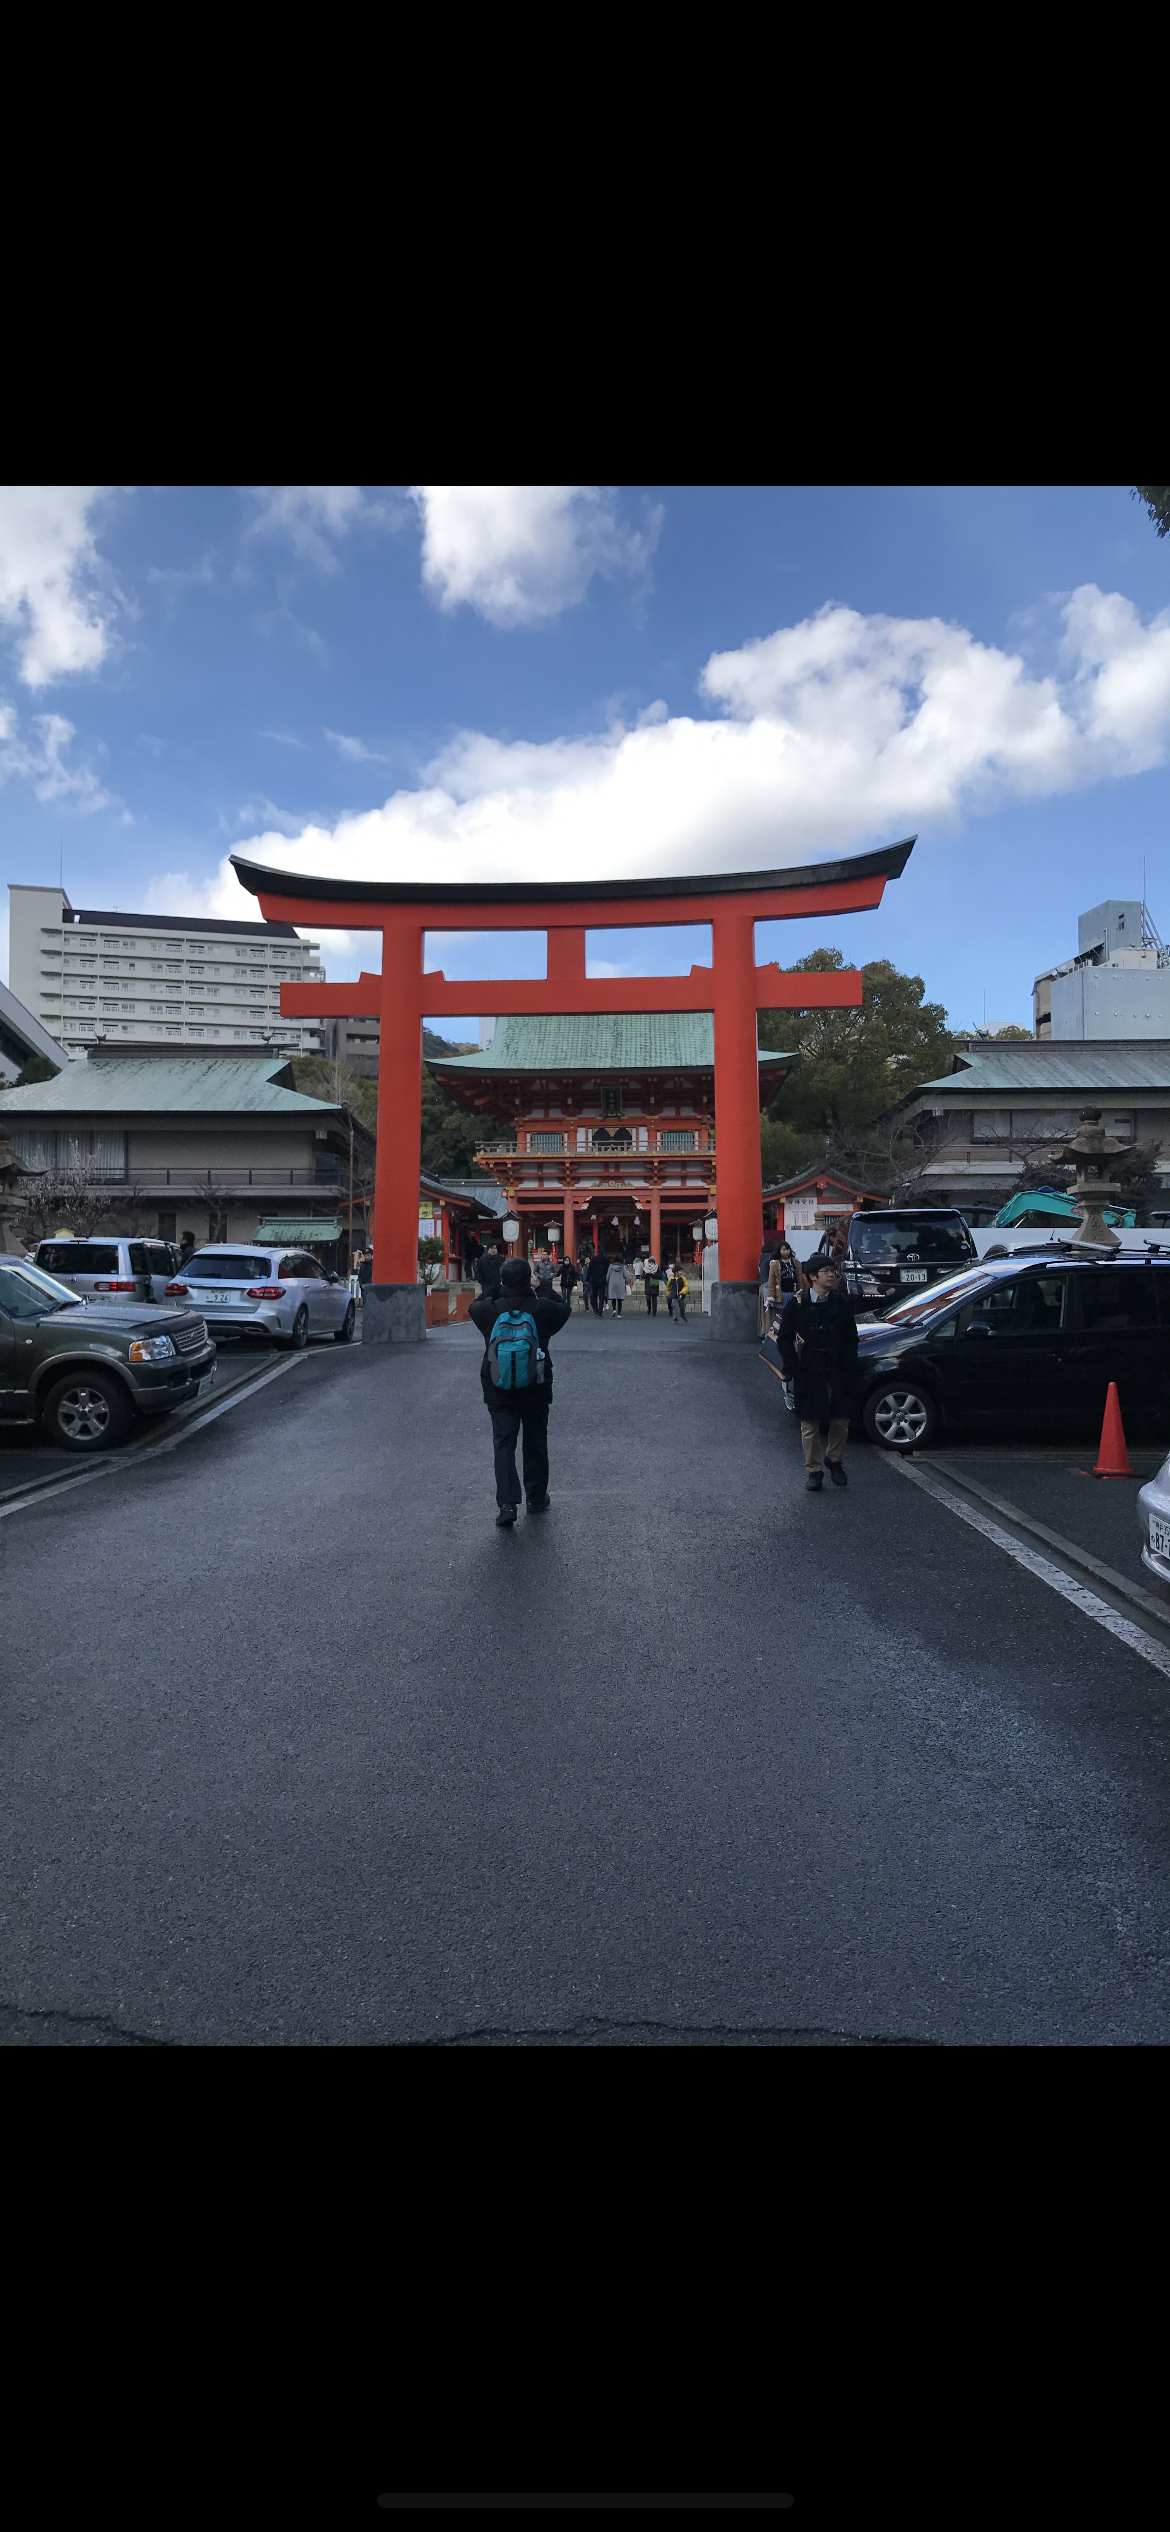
<point x="206" y="1268"/>
<point x="25" y="1293"/>
<point x="941" y="1297"/>
<point x="880" y="1242"/>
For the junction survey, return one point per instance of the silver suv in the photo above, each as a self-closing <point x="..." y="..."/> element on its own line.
<point x="130" y="1270"/>
<point x="282" y="1293"/>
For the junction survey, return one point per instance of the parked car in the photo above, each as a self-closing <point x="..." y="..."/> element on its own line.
<point x="894" y="1251"/>
<point x="1153" y="1512"/>
<point x="84" y="1368"/>
<point x="281" y="1293"/>
<point x="140" y="1269"/>
<point x="1019" y="1341"/>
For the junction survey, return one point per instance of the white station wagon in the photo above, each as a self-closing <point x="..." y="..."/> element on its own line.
<point x="281" y="1293"/>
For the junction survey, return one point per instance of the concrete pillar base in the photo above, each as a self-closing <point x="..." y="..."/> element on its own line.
<point x="394" y="1313"/>
<point x="734" y="1311"/>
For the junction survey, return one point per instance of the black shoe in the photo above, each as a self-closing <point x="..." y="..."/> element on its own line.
<point x="813" y="1481"/>
<point x="505" y="1516"/>
<point x="538" y="1503"/>
<point x="837" y="1473"/>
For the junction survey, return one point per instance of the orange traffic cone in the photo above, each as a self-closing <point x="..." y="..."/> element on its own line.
<point x="1112" y="1456"/>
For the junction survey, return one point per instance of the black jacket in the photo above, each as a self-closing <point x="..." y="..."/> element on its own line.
<point x="549" y="1314"/>
<point x="596" y="1272"/>
<point x="823" y="1371"/>
<point x="568" y="1277"/>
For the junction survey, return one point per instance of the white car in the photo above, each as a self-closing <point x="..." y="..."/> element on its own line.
<point x="96" y="1267"/>
<point x="281" y="1293"/>
<point x="1153" y="1512"/>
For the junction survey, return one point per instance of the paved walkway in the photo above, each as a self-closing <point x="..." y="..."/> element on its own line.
<point x="298" y="1747"/>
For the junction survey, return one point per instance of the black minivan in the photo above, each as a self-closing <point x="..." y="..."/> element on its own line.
<point x="894" y="1250"/>
<point x="1015" y="1343"/>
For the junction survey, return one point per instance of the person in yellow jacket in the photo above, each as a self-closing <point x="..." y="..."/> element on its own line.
<point x="676" y="1293"/>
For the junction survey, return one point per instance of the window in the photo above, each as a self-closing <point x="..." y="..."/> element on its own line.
<point x="207" y="1268"/>
<point x="1033" y="1307"/>
<point x="877" y="1240"/>
<point x="546" y="1142"/>
<point x="1117" y="1298"/>
<point x="77" y="1257"/>
<point x="27" y="1296"/>
<point x="675" y="1141"/>
<point x="991" y="1125"/>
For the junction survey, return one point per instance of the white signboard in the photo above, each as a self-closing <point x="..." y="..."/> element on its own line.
<point x="800" y="1213"/>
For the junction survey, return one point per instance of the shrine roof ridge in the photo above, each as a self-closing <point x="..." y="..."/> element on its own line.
<point x="888" y="862"/>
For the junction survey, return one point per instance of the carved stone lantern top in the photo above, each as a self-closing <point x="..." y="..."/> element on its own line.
<point x="1090" y="1147"/>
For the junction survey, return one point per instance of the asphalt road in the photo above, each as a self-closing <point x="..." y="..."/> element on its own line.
<point x="298" y="1748"/>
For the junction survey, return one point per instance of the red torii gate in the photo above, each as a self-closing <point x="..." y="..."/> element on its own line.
<point x="733" y="988"/>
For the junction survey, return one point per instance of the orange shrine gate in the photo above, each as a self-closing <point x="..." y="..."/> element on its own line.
<point x="733" y="988"/>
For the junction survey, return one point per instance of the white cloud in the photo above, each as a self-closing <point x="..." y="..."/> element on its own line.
<point x="51" y="579"/>
<point x="312" y="517"/>
<point x="832" y="733"/>
<point x="522" y="553"/>
<point x="39" y="761"/>
<point x="355" y="750"/>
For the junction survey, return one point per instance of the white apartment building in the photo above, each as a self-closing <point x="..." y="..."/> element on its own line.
<point x="90" y="977"/>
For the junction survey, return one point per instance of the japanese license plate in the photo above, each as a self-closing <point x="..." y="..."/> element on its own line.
<point x="204" y="1385"/>
<point x="1159" y="1540"/>
<point x="912" y="1275"/>
<point x="219" y="1296"/>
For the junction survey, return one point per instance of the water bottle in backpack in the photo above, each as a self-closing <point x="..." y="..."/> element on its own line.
<point x="514" y="1356"/>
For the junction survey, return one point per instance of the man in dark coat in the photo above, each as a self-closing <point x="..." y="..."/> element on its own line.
<point x="818" y="1351"/>
<point x="596" y="1274"/>
<point x="520" y="1411"/>
<point x="490" y="1264"/>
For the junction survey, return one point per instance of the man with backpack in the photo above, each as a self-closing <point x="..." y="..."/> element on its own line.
<point x="517" y="1326"/>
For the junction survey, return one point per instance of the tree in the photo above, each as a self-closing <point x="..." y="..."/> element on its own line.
<point x="73" y="1199"/>
<point x="1157" y="501"/>
<point x="1136" y="1174"/>
<point x="430" y="1257"/>
<point x="854" y="1065"/>
<point x="35" y="1068"/>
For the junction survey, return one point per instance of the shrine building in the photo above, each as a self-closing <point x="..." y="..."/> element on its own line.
<point x="614" y="1122"/>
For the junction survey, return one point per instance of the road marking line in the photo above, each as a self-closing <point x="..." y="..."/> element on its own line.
<point x="1077" y="1593"/>
<point x="121" y="1467"/>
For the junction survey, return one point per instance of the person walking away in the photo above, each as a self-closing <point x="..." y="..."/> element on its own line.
<point x="676" y="1294"/>
<point x="597" y="1276"/>
<point x="517" y="1325"/>
<point x="615" y="1286"/>
<point x="818" y="1352"/>
<point x="651" y="1281"/>
<point x="490" y="1265"/>
<point x="568" y="1277"/>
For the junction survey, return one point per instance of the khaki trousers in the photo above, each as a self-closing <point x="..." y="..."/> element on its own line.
<point x="810" y="1435"/>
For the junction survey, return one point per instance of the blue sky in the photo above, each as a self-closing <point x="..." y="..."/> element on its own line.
<point x="587" y="682"/>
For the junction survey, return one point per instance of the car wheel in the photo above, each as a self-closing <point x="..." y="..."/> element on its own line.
<point x="900" y="1417"/>
<point x="87" y="1412"/>
<point x="344" y="1334"/>
<point x="300" y="1331"/>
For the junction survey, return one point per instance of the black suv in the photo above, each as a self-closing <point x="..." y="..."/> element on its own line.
<point x="85" y="1369"/>
<point x="1020" y="1341"/>
<point x="892" y="1253"/>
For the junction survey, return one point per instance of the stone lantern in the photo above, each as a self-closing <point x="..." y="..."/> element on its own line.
<point x="1090" y="1153"/>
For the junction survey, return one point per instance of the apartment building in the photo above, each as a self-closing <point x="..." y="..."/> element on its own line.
<point x="91" y="978"/>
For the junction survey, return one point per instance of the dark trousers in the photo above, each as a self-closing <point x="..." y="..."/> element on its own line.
<point x="529" y="1417"/>
<point x="597" y="1297"/>
<point x="652" y="1304"/>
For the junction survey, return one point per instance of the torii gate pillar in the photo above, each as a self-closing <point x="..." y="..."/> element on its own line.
<point x="733" y="988"/>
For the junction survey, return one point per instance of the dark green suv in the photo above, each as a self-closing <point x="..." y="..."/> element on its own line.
<point x="85" y="1369"/>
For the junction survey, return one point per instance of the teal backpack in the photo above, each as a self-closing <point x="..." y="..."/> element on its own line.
<point x="514" y="1356"/>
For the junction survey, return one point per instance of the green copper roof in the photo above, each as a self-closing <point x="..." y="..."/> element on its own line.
<point x="581" y="1042"/>
<point x="138" y="1085"/>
